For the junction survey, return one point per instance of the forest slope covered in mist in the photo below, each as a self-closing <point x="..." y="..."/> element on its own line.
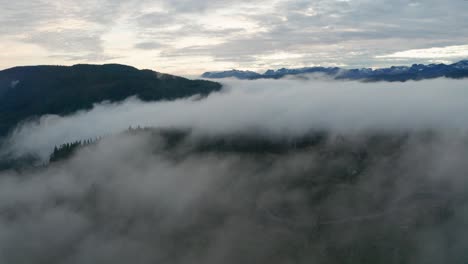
<point x="33" y="91"/>
<point x="264" y="171"/>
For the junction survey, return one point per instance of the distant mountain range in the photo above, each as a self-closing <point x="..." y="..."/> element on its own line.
<point x="31" y="91"/>
<point x="394" y="73"/>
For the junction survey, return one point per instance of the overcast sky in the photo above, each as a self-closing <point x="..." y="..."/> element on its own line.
<point x="192" y="36"/>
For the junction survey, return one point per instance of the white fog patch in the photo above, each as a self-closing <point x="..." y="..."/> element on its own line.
<point x="277" y="107"/>
<point x="120" y="200"/>
<point x="13" y="84"/>
<point x="449" y="52"/>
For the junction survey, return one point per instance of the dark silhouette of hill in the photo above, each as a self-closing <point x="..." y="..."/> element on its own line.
<point x="393" y="74"/>
<point x="31" y="91"/>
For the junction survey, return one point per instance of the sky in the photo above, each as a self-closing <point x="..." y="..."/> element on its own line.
<point x="188" y="37"/>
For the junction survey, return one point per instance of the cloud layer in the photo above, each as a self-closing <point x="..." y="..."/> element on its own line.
<point x="385" y="185"/>
<point x="187" y="36"/>
<point x="131" y="199"/>
<point x="289" y="107"/>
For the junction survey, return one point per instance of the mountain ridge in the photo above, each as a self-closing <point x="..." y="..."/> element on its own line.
<point x="29" y="91"/>
<point x="393" y="73"/>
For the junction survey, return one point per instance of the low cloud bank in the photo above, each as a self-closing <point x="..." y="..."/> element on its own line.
<point x="386" y="185"/>
<point x="288" y="107"/>
<point x="131" y="199"/>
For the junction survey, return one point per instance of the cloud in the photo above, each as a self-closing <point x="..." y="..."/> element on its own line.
<point x="387" y="176"/>
<point x="220" y="35"/>
<point x="387" y="184"/>
<point x="289" y="107"/>
<point x="449" y="52"/>
<point x="68" y="41"/>
<point x="88" y="57"/>
<point x="131" y="198"/>
<point x="148" y="45"/>
<point x="59" y="27"/>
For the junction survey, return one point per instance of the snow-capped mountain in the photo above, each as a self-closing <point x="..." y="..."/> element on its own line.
<point x="394" y="73"/>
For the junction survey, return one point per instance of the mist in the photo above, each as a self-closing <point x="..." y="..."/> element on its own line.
<point x="131" y="199"/>
<point x="287" y="107"/>
<point x="386" y="183"/>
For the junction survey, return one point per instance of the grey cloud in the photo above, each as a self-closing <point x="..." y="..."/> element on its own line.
<point x="148" y="45"/>
<point x="68" y="41"/>
<point x="370" y="20"/>
<point x="189" y="6"/>
<point x="27" y="19"/>
<point x="378" y="27"/>
<point x="388" y="177"/>
<point x="266" y="105"/>
<point x="17" y="16"/>
<point x="26" y="16"/>
<point x="155" y="20"/>
<point x="130" y="198"/>
<point x="88" y="57"/>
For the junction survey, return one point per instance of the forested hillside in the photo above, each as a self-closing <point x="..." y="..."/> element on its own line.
<point x="31" y="91"/>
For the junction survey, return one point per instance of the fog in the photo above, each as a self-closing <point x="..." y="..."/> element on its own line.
<point x="129" y="199"/>
<point x="387" y="184"/>
<point x="276" y="107"/>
